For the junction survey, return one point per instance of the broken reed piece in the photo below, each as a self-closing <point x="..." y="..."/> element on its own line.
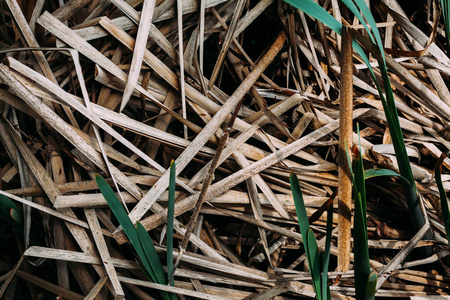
<point x="139" y="50"/>
<point x="181" y="63"/>
<point x="345" y="144"/>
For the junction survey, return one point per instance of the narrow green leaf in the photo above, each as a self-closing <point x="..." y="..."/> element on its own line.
<point x="147" y="254"/>
<point x="360" y="182"/>
<point x="371" y="286"/>
<point x="312" y="253"/>
<point x="299" y="206"/>
<point x="170" y="220"/>
<point x="355" y="10"/>
<point x="122" y="216"/>
<point x="361" y="250"/>
<point x="309" y="240"/>
<point x="443" y="195"/>
<point x="372" y="173"/>
<point x="151" y="254"/>
<point x="156" y="270"/>
<point x="367" y="17"/>
<point x="118" y="211"/>
<point x="410" y="192"/>
<point x="316" y="11"/>
<point x="326" y="254"/>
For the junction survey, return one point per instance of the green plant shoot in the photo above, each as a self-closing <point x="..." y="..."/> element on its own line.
<point x="318" y="269"/>
<point x="138" y="236"/>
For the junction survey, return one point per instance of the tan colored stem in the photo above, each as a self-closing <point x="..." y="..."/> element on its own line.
<point x="345" y="143"/>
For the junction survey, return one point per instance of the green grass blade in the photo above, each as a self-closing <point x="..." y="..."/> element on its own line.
<point x="141" y="243"/>
<point x="313" y="256"/>
<point x="316" y="11"/>
<point x="372" y="173"/>
<point x="119" y="212"/>
<point x="151" y="254"/>
<point x="122" y="216"/>
<point x="443" y="195"/>
<point x="154" y="264"/>
<point x="369" y="18"/>
<point x="299" y="206"/>
<point x="361" y="249"/>
<point x="170" y="220"/>
<point x="410" y="191"/>
<point x="360" y="181"/>
<point x="371" y="286"/>
<point x="326" y="254"/>
<point x="309" y="240"/>
<point x="355" y="10"/>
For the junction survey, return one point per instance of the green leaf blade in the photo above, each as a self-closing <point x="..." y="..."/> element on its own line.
<point x="371" y="286"/>
<point x="128" y="227"/>
<point x="119" y="212"/>
<point x="312" y="253"/>
<point x="151" y="254"/>
<point x="170" y="220"/>
<point x="326" y="254"/>
<point x="299" y="206"/>
<point x="309" y="240"/>
<point x="316" y="11"/>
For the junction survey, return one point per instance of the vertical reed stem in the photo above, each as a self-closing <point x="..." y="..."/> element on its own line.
<point x="345" y="144"/>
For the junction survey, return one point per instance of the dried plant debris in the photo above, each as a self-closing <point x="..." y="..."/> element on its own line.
<point x="239" y="94"/>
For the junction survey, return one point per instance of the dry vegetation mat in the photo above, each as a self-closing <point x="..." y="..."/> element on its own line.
<point x="238" y="94"/>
